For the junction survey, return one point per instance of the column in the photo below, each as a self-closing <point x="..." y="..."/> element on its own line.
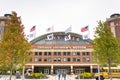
<point x="51" y="69"/>
<point x="71" y="69"/>
<point x="91" y="68"/>
<point x="32" y="68"/>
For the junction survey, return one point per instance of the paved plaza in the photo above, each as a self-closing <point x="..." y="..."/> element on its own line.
<point x="55" y="77"/>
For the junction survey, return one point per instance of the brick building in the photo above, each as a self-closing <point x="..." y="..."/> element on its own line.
<point x="114" y="23"/>
<point x="58" y="55"/>
<point x="3" y="20"/>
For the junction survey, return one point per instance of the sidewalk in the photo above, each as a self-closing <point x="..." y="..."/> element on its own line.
<point x="55" y="77"/>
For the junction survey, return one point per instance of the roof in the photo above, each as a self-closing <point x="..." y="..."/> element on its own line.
<point x="59" y="38"/>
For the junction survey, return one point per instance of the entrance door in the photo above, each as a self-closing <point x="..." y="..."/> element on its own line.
<point x="46" y="71"/>
<point x="78" y="71"/>
<point x="61" y="70"/>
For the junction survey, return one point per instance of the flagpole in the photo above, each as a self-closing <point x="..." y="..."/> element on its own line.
<point x="68" y="34"/>
<point x="88" y="32"/>
<point x="35" y="32"/>
<point x="53" y="35"/>
<point x="71" y="37"/>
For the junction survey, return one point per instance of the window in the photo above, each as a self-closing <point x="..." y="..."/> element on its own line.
<point x="68" y="53"/>
<point x="45" y="60"/>
<point x="85" y="53"/>
<point x="59" y="53"/>
<point x="59" y="59"/>
<point x="73" y="38"/>
<point x="68" y="59"/>
<point x="36" y="53"/>
<point x="78" y="59"/>
<point x="64" y="59"/>
<point x="74" y="59"/>
<point x="45" y="53"/>
<point x="49" y="53"/>
<point x="78" y="53"/>
<point x="77" y="39"/>
<point x="83" y="59"/>
<point x="86" y="59"/>
<point x="40" y="53"/>
<point x="64" y="53"/>
<point x="55" y="53"/>
<point x="55" y="59"/>
<point x="49" y="60"/>
<point x="74" y="53"/>
<point x="38" y="59"/>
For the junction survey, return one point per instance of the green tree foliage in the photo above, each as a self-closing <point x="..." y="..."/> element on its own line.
<point x="106" y="46"/>
<point x="14" y="46"/>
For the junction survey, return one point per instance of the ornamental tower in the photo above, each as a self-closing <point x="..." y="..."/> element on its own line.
<point x="3" y="20"/>
<point x="114" y="23"/>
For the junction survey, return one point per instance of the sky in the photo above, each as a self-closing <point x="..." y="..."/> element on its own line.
<point x="60" y="13"/>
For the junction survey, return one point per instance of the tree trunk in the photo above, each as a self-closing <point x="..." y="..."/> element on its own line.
<point x="11" y="72"/>
<point x="23" y="75"/>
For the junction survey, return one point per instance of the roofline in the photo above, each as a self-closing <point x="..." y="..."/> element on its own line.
<point x="60" y="33"/>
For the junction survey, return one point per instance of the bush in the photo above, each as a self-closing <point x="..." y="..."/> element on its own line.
<point x="37" y="75"/>
<point x="85" y="75"/>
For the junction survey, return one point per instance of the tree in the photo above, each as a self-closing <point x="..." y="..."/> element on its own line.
<point x="14" y="46"/>
<point x="106" y="46"/>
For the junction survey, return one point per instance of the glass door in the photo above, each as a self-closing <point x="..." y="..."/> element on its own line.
<point x="46" y="71"/>
<point x="78" y="71"/>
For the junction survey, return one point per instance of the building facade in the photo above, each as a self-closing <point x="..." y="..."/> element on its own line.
<point x="114" y="23"/>
<point x="3" y="20"/>
<point x="73" y="55"/>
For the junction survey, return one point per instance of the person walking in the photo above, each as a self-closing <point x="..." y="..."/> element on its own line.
<point x="59" y="75"/>
<point x="64" y="75"/>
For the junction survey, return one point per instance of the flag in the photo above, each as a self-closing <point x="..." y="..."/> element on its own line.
<point x="67" y="37"/>
<point x="83" y="29"/>
<point x="50" y="29"/>
<point x="50" y="37"/>
<point x="32" y="32"/>
<point x="32" y="29"/>
<point x="68" y="30"/>
<point x="85" y="37"/>
<point x="31" y="35"/>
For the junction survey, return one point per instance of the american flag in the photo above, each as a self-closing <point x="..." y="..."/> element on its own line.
<point x="32" y="29"/>
<point x="83" y="29"/>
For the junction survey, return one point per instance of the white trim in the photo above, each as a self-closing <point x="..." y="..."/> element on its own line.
<point x="59" y="64"/>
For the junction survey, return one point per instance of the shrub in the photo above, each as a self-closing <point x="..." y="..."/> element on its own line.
<point x="37" y="75"/>
<point x="85" y="75"/>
